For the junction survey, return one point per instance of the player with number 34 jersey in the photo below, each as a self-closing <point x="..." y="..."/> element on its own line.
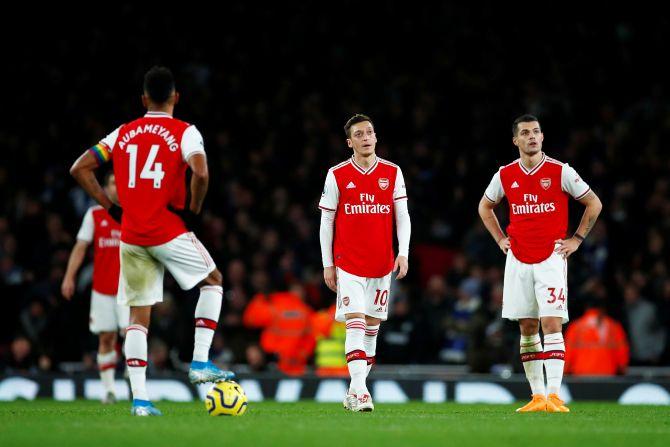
<point x="535" y="287"/>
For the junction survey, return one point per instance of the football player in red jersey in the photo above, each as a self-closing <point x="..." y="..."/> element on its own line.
<point x="361" y="198"/>
<point x="106" y="316"/>
<point x="535" y="291"/>
<point x="150" y="156"/>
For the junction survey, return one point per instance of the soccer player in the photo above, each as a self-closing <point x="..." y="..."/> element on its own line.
<point x="535" y="290"/>
<point x="150" y="157"/>
<point x="106" y="317"/>
<point x="360" y="198"/>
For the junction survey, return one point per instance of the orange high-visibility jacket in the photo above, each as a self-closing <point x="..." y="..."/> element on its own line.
<point x="285" y="320"/>
<point x="596" y="344"/>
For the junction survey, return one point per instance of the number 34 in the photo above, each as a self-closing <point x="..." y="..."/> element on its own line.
<point x="552" y="293"/>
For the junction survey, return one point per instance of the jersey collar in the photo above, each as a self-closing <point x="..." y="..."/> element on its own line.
<point x="157" y="115"/>
<point x="536" y="168"/>
<point x="361" y="169"/>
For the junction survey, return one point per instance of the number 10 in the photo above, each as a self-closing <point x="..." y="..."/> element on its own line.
<point x="382" y="297"/>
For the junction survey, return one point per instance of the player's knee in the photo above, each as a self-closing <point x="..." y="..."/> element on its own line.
<point x="552" y="326"/>
<point x="372" y="321"/>
<point x="529" y="326"/>
<point x="140" y="315"/>
<point x="107" y="341"/>
<point x="215" y="278"/>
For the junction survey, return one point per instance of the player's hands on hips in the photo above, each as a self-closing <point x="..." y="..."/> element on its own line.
<point x="67" y="288"/>
<point x="401" y="266"/>
<point x="504" y="244"/>
<point x="187" y="216"/>
<point x="116" y="212"/>
<point x="330" y="276"/>
<point x="566" y="247"/>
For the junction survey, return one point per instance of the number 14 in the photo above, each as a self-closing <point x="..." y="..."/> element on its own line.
<point x="151" y="171"/>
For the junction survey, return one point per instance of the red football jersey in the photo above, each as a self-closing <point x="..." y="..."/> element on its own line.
<point x="149" y="156"/>
<point x="104" y="233"/>
<point x="538" y="205"/>
<point x="364" y="215"/>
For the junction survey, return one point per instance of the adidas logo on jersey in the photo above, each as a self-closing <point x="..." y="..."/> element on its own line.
<point x="351" y="185"/>
<point x="104" y="223"/>
<point x="515" y="184"/>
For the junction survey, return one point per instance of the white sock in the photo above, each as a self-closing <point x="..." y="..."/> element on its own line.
<point x="370" y="343"/>
<point x="135" y="350"/>
<point x="356" y="358"/>
<point x="554" y="359"/>
<point x="531" y="357"/>
<point x="207" y="313"/>
<point x="106" y="366"/>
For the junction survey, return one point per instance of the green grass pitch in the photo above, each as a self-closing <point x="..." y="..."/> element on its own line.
<point x="86" y="423"/>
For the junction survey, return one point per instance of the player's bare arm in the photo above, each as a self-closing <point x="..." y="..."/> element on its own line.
<point x="488" y="216"/>
<point x="73" y="265"/>
<point x="199" y="181"/>
<point x="592" y="209"/>
<point x="83" y="171"/>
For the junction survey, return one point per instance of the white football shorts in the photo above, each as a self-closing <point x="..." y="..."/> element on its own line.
<point x="142" y="268"/>
<point x="356" y="294"/>
<point x="535" y="290"/>
<point x="106" y="315"/>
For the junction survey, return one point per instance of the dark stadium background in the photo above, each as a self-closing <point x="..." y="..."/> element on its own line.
<point x="270" y="89"/>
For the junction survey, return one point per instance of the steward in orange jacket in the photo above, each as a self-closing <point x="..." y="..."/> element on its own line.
<point x="596" y="345"/>
<point x="285" y="320"/>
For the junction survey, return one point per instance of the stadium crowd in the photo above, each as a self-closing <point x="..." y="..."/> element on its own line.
<point x="271" y="107"/>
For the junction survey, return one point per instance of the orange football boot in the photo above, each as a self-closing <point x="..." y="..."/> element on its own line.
<point x="539" y="403"/>
<point x="556" y="405"/>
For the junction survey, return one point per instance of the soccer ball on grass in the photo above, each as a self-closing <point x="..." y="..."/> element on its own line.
<point x="226" y="399"/>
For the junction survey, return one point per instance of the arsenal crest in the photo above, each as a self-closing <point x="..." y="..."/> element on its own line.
<point x="345" y="300"/>
<point x="383" y="183"/>
<point x="545" y="183"/>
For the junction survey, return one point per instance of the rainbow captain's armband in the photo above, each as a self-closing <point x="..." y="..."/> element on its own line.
<point x="101" y="153"/>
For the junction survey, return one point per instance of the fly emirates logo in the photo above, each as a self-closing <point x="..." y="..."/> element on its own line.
<point x="110" y="242"/>
<point x="367" y="206"/>
<point x="532" y="207"/>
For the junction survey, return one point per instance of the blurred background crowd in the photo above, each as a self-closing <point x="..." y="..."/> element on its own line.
<point x="270" y="90"/>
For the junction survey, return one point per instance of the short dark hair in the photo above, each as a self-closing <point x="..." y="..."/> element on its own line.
<point x="527" y="118"/>
<point x="159" y="84"/>
<point x="358" y="118"/>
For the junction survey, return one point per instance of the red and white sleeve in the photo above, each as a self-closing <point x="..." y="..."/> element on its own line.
<point x="494" y="192"/>
<point x="573" y="184"/>
<point x="87" y="227"/>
